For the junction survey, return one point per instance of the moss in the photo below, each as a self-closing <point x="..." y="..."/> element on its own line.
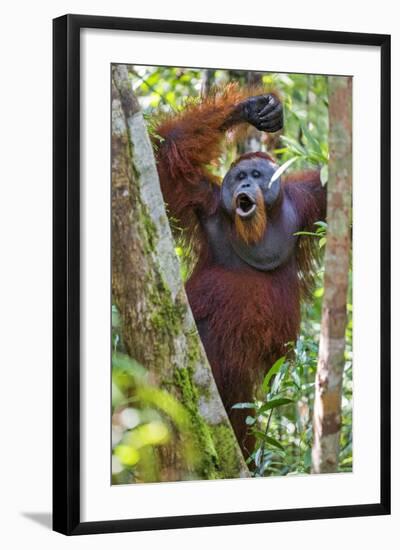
<point x="219" y="457"/>
<point x="226" y="447"/>
<point x="167" y="317"/>
<point x="209" y="467"/>
<point x="151" y="232"/>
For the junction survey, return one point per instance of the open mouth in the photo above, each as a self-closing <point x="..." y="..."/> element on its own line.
<point x="245" y="205"/>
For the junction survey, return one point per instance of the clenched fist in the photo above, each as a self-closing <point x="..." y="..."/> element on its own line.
<point x="265" y="112"/>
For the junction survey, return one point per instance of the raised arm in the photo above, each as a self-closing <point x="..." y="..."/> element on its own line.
<point x="191" y="140"/>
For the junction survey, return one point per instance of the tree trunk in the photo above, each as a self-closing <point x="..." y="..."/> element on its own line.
<point x="208" y="81"/>
<point x="252" y="141"/>
<point x="158" y="328"/>
<point x="328" y="387"/>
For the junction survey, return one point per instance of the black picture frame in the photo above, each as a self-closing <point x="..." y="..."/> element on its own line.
<point x="66" y="273"/>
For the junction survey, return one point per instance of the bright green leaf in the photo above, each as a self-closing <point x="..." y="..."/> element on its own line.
<point x="127" y="455"/>
<point x="272" y="371"/>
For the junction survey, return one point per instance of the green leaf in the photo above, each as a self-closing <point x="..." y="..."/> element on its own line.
<point x="122" y="362"/>
<point x="310" y="233"/>
<point x="319" y="292"/>
<point x="294" y="146"/>
<point x="244" y="406"/>
<point x="272" y="371"/>
<point x="274" y="403"/>
<point x="116" y="395"/>
<point x="274" y="442"/>
<point x="250" y="420"/>
<point x="278" y="378"/>
<point x="127" y="455"/>
<point x="296" y="378"/>
<point x="258" y="433"/>
<point x="310" y="138"/>
<point x="166" y="403"/>
<point x="324" y="175"/>
<point x="315" y="158"/>
<point x="307" y="458"/>
<point x="322" y="242"/>
<point x="280" y="151"/>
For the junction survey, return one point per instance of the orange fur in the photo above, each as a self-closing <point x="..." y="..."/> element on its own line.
<point x="251" y="230"/>
<point x="186" y="143"/>
<point x="192" y="144"/>
<point x="244" y="316"/>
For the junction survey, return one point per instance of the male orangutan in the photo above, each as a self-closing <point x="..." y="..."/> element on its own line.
<point x="252" y="270"/>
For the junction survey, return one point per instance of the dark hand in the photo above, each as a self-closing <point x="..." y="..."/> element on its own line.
<point x="265" y="112"/>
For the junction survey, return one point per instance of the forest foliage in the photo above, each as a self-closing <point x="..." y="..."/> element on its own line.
<point x="146" y="417"/>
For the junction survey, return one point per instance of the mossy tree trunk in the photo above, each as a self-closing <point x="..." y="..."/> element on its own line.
<point x="328" y="391"/>
<point x="158" y="328"/>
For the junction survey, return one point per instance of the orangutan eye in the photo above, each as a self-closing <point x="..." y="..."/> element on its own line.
<point x="241" y="175"/>
<point x="255" y="174"/>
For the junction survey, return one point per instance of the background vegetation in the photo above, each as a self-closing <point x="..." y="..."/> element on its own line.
<point x="146" y="418"/>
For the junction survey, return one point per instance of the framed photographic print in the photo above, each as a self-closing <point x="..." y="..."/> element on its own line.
<point x="221" y="274"/>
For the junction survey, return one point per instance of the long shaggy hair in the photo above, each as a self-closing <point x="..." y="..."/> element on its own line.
<point x="245" y="317"/>
<point x="249" y="317"/>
